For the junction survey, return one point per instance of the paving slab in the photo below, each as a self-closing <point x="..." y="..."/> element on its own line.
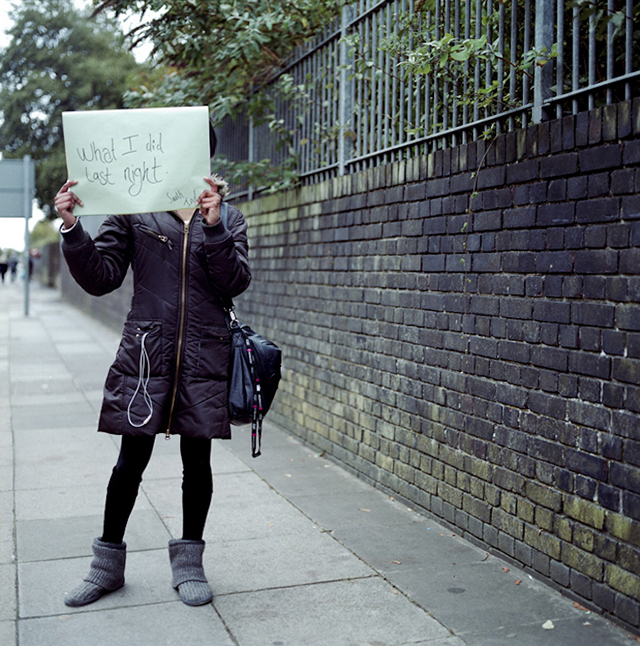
<point x="9" y="632"/>
<point x="280" y="561"/>
<point x="160" y="624"/>
<point x="7" y="527"/>
<point x="364" y="611"/>
<point x="53" y="415"/>
<point x="63" y="502"/>
<point x="49" y="539"/>
<point x="7" y="591"/>
<point x="243" y="507"/>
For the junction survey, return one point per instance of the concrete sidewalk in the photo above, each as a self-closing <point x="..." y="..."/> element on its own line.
<point x="298" y="550"/>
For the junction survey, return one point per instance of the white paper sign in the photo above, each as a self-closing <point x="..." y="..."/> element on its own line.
<point x="137" y="161"/>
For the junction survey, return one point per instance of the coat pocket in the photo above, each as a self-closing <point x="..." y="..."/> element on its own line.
<point x="140" y="337"/>
<point x="212" y="360"/>
<point x="154" y="235"/>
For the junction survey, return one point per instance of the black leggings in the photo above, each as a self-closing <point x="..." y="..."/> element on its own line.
<point x="197" y="485"/>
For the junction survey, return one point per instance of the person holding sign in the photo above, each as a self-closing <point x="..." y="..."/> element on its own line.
<point x="169" y="376"/>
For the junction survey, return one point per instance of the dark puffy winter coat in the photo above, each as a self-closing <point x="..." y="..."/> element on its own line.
<point x="170" y="372"/>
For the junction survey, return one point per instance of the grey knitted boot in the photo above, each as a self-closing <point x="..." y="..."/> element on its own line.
<point x="188" y="574"/>
<point x="106" y="574"/>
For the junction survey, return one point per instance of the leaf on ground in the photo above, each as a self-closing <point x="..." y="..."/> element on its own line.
<point x="518" y="582"/>
<point x="505" y="569"/>
<point x="397" y="562"/>
<point x="579" y="607"/>
<point x="548" y="625"/>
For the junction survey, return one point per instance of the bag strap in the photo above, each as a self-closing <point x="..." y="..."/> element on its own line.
<point x="256" y="419"/>
<point x="227" y="303"/>
<point x="257" y="415"/>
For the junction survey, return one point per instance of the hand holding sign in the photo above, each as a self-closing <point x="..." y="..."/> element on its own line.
<point x="135" y="161"/>
<point x="65" y="202"/>
<point x="209" y="202"/>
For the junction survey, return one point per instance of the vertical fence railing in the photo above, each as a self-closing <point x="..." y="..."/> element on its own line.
<point x="361" y="107"/>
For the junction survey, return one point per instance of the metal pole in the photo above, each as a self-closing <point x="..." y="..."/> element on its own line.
<point x="27" y="205"/>
<point x="543" y="42"/>
<point x="251" y="152"/>
<point x="345" y="99"/>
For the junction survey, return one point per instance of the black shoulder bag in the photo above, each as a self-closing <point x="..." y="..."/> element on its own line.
<point x="254" y="372"/>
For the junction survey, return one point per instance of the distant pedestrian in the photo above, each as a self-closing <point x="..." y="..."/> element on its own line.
<point x="13" y="268"/>
<point x="170" y="372"/>
<point x="4" y="265"/>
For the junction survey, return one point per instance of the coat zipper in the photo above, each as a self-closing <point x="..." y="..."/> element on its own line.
<point x="183" y="302"/>
<point x="158" y="236"/>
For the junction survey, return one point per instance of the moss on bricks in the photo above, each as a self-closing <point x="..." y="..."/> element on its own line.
<point x="543" y="542"/>
<point x="623" y="581"/>
<point x="582" y="561"/>
<point x="584" y="511"/>
<point x="544" y="496"/>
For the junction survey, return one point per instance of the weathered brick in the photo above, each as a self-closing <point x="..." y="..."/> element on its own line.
<point x="543" y="542"/>
<point x="626" y="582"/>
<point x="560" y="573"/>
<point x="545" y="496"/>
<point x="554" y="262"/>
<point x="555" y="214"/>
<point x="592" y="261"/>
<point x="627" y="318"/>
<point x="551" y="311"/>
<point x="629" y="260"/>
<point x="546" y="451"/>
<point x="625" y="476"/>
<point x="507" y="523"/>
<point x="627" y="609"/>
<point x="606" y="209"/>
<point x="583" y="511"/>
<point x="557" y="165"/>
<point x="608" y="156"/>
<point x="582" y="561"/>
<point x="626" y="370"/>
<point x="587" y="464"/>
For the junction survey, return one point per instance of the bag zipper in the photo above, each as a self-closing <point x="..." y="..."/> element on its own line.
<point x="185" y="246"/>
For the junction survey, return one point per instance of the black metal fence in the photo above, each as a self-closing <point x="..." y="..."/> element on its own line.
<point x="361" y="101"/>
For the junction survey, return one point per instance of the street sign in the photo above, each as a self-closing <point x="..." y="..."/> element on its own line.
<point x="17" y="181"/>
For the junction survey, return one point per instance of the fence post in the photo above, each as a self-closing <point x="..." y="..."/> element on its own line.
<point x="543" y="75"/>
<point x="251" y="153"/>
<point x="346" y="90"/>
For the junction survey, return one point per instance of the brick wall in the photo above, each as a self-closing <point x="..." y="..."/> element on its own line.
<point x="463" y="330"/>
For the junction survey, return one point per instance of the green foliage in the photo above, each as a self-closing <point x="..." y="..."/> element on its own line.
<point x="57" y="60"/>
<point x="217" y="52"/>
<point x="43" y="233"/>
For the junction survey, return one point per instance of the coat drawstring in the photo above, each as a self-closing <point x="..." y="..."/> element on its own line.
<point x="144" y="373"/>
